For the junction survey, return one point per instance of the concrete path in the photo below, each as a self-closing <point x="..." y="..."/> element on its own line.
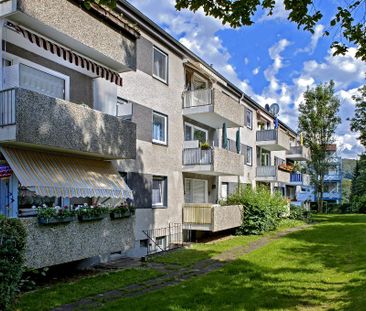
<point x="172" y="274"/>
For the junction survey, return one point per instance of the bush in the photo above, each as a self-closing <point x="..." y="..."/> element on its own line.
<point x="299" y="213"/>
<point x="12" y="249"/>
<point x="262" y="210"/>
<point x="358" y="204"/>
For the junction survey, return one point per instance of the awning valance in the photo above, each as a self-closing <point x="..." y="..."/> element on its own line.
<point x="68" y="55"/>
<point x="62" y="176"/>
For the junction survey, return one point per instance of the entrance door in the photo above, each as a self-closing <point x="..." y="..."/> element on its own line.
<point x="195" y="190"/>
<point x="224" y="190"/>
<point x="4" y="197"/>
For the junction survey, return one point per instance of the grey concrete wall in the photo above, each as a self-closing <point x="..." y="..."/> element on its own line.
<point x="141" y="185"/>
<point x="52" y="245"/>
<point x="227" y="162"/>
<point x="71" y="20"/>
<point x="81" y="87"/>
<point x="226" y="217"/>
<point x="50" y="122"/>
<point x="227" y="107"/>
<point x="142" y="116"/>
<point x="144" y="52"/>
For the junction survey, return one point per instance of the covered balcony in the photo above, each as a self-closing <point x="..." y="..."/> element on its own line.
<point x="211" y="217"/>
<point x="33" y="120"/>
<point x="212" y="161"/>
<point x="213" y="108"/>
<point x="272" y="173"/>
<point x="273" y="140"/>
<point x="298" y="153"/>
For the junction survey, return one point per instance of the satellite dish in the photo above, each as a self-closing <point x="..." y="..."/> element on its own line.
<point x="266" y="107"/>
<point x="275" y="109"/>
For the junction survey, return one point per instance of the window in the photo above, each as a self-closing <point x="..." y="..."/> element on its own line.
<point x="249" y="156"/>
<point x="195" y="190"/>
<point x="192" y="132"/>
<point x="160" y="127"/>
<point x="249" y="118"/>
<point x="224" y="190"/>
<point x="159" y="191"/>
<point x="144" y="243"/>
<point x="160" y="70"/>
<point x="265" y="158"/>
<point x="124" y="109"/>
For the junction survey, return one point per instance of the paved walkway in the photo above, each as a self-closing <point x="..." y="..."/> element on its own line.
<point x="172" y="274"/>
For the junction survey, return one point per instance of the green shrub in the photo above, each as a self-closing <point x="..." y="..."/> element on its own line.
<point x="262" y="210"/>
<point x="299" y="213"/>
<point x="12" y="249"/>
<point x="358" y="204"/>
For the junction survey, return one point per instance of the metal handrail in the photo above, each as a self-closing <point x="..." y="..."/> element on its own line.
<point x="7" y="107"/>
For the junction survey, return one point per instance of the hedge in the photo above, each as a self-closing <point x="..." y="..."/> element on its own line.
<point x="12" y="250"/>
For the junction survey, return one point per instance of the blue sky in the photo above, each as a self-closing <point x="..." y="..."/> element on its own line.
<point x="272" y="61"/>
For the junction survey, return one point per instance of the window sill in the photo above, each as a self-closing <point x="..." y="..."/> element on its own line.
<point x="159" y="143"/>
<point x="160" y="79"/>
<point x="159" y="207"/>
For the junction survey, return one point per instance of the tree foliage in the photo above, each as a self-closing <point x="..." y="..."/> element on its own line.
<point x="349" y="19"/>
<point x="318" y="120"/>
<point x="358" y="188"/>
<point x="358" y="122"/>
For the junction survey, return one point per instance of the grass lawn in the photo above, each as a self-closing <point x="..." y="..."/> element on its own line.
<point x="319" y="268"/>
<point x="63" y="293"/>
<point x="202" y="251"/>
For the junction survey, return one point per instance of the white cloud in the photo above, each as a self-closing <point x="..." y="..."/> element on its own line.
<point x="255" y="71"/>
<point x="246" y="60"/>
<point x="279" y="13"/>
<point x="318" y="33"/>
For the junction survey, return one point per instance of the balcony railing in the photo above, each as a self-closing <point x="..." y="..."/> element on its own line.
<point x="7" y="107"/>
<point x="197" y="156"/>
<point x="296" y="177"/>
<point x="266" y="171"/>
<point x="267" y="135"/>
<point x="195" y="213"/>
<point x="197" y="98"/>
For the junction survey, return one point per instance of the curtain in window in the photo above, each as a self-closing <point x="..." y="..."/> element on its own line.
<point x="159" y="64"/>
<point x="157" y="192"/>
<point x="159" y="128"/>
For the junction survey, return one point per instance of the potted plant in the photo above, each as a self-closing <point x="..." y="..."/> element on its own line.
<point x="54" y="215"/>
<point x="90" y="212"/>
<point x="121" y="211"/>
<point x="205" y="146"/>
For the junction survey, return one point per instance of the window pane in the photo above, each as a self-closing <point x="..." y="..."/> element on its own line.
<point x="249" y="118"/>
<point x="157" y="194"/>
<point x="187" y="133"/>
<point x="200" y="135"/>
<point x="160" y="64"/>
<point x="159" y="128"/>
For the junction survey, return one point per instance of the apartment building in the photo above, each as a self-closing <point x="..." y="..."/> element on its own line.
<point x="112" y="92"/>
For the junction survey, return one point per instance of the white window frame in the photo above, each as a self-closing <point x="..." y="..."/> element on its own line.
<point x="249" y="148"/>
<point x="164" y="195"/>
<point x="166" y="64"/>
<point x="250" y="126"/>
<point x="193" y="127"/>
<point x="157" y="141"/>
<point x="14" y="59"/>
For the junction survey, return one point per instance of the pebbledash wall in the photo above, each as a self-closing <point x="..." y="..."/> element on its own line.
<point x="48" y="246"/>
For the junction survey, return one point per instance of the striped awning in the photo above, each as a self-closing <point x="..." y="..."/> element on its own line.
<point x="68" y="55"/>
<point x="62" y="176"/>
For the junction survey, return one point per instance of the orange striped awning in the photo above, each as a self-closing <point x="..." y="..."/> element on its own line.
<point x="62" y="176"/>
<point x="68" y="55"/>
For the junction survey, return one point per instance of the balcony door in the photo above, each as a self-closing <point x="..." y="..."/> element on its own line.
<point x="201" y="93"/>
<point x="195" y="190"/>
<point x="192" y="132"/>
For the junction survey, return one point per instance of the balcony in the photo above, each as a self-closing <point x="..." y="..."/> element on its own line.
<point x="271" y="174"/>
<point x="273" y="140"/>
<point x="213" y="108"/>
<point x="211" y="217"/>
<point x="334" y="176"/>
<point x="34" y="120"/>
<point x="298" y="179"/>
<point x="213" y="161"/>
<point x="298" y="153"/>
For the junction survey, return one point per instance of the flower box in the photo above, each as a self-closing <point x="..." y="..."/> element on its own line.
<point x="84" y="218"/>
<point x="120" y="214"/>
<point x="55" y="220"/>
<point x="286" y="167"/>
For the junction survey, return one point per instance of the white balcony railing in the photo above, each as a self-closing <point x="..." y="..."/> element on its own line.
<point x="266" y="171"/>
<point x="267" y="135"/>
<point x="7" y="107"/>
<point x="197" y="98"/>
<point x="197" y="156"/>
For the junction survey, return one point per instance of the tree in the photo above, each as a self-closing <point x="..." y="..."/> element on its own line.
<point x="358" y="122"/>
<point x="349" y="20"/>
<point x="358" y="188"/>
<point x="318" y="120"/>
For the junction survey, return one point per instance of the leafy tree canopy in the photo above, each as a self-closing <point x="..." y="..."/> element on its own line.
<point x="348" y="22"/>
<point x="358" y="122"/>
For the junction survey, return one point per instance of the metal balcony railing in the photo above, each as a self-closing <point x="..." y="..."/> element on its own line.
<point x="197" y="156"/>
<point x="296" y="177"/>
<point x="267" y="135"/>
<point x="7" y="107"/>
<point x="197" y="98"/>
<point x="266" y="171"/>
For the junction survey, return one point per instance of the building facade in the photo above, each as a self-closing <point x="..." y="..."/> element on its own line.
<point x="112" y="89"/>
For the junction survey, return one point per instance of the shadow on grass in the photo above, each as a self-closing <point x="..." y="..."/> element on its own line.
<point x="321" y="267"/>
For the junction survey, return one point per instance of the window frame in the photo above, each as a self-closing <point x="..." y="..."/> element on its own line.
<point x="249" y="126"/>
<point x="156" y="141"/>
<point x="193" y="127"/>
<point x="166" y="65"/>
<point x="249" y="148"/>
<point x="164" y="196"/>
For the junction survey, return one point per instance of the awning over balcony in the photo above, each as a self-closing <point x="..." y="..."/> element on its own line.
<point x="68" y="55"/>
<point x="62" y="176"/>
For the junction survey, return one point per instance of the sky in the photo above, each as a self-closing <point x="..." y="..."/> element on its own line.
<point x="272" y="61"/>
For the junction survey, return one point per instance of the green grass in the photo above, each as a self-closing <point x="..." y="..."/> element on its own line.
<point x="320" y="268"/>
<point x="63" y="293"/>
<point x="201" y="251"/>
